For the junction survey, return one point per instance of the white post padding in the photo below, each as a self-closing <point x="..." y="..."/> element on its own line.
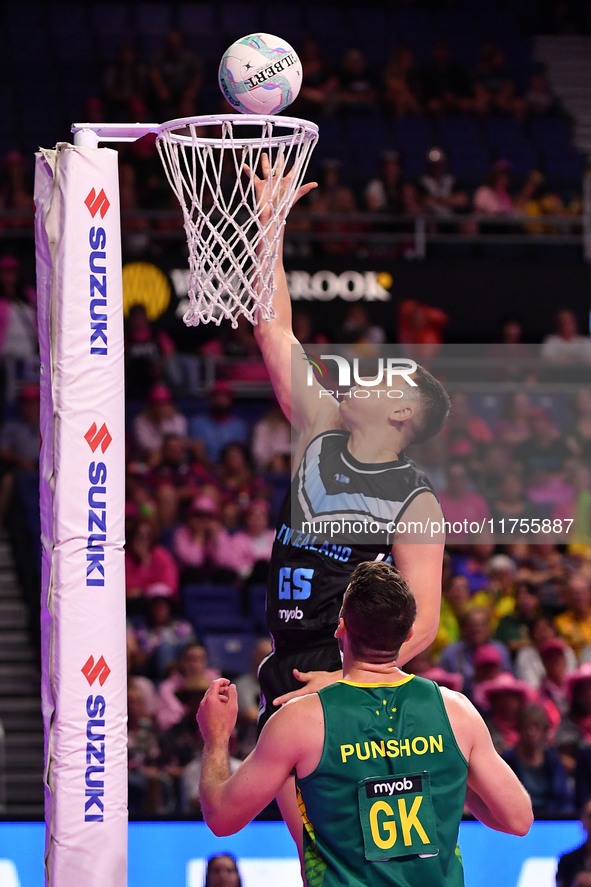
<point x="82" y="487"/>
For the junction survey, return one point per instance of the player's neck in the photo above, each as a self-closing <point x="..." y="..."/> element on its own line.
<point x="366" y="447"/>
<point x="372" y="673"/>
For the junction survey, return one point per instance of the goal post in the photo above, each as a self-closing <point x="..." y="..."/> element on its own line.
<point x="82" y="462"/>
<point x="82" y="497"/>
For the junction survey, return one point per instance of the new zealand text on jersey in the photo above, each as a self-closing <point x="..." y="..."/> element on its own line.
<point x="298" y="539"/>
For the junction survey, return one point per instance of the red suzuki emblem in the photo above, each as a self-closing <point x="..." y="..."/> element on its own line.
<point x="92" y="670"/>
<point x="97" y="203"/>
<point x="95" y="438"/>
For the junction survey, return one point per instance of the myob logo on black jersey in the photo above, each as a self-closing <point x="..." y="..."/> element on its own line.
<point x="396" y="785"/>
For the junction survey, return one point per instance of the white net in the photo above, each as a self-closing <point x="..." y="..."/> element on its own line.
<point x="233" y="232"/>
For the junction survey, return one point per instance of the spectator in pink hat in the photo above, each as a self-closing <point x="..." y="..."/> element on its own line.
<point x="202" y="546"/>
<point x="488" y="665"/>
<point x="538" y="767"/>
<point x="219" y="426"/>
<point x="502" y="699"/>
<point x="157" y="420"/>
<point x="458" y="657"/>
<point x="529" y="666"/>
<point x="160" y="636"/>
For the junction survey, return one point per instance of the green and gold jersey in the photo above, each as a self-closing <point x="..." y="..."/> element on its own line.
<point x="383" y="806"/>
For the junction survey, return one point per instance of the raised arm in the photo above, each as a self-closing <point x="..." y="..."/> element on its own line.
<point x="229" y="802"/>
<point x="283" y="355"/>
<point x="495" y="795"/>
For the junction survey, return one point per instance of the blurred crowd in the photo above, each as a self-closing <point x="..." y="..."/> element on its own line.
<point x="525" y="474"/>
<point x="172" y="84"/>
<point x="514" y="636"/>
<point x="201" y="493"/>
<point x="204" y="483"/>
<point x="205" y="479"/>
<point x="515" y="626"/>
<point x="203" y="490"/>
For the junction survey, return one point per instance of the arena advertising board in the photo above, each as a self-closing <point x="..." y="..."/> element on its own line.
<point x="82" y="508"/>
<point x="475" y="293"/>
<point x="323" y="285"/>
<point x="175" y="854"/>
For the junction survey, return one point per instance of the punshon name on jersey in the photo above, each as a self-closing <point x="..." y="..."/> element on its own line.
<point x="391" y="748"/>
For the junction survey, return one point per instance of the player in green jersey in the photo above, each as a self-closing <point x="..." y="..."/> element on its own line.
<point x="384" y="760"/>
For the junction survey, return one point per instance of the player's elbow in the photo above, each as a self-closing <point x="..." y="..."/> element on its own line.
<point x="429" y="634"/>
<point x="221" y="826"/>
<point x="220" y="830"/>
<point x="525" y="822"/>
<point x="425" y="634"/>
<point x="520" y="818"/>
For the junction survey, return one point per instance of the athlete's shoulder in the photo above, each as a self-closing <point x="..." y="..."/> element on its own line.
<point x="415" y="469"/>
<point x="300" y="713"/>
<point x="458" y="706"/>
<point x="336" y="436"/>
<point x="294" y="715"/>
<point x="326" y="444"/>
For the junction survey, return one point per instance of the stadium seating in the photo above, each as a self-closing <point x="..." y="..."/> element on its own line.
<point x="231" y="653"/>
<point x="214" y="608"/>
<point x="257" y="595"/>
<point x="44" y="43"/>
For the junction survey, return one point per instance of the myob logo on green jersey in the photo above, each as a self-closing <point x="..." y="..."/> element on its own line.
<point x="389" y="787"/>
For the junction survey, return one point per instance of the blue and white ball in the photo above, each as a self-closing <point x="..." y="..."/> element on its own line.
<point x="260" y="74"/>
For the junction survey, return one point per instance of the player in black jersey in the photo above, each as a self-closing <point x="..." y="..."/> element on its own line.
<point x="349" y="464"/>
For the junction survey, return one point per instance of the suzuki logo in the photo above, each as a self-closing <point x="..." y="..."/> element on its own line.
<point x="91" y="671"/>
<point x="95" y="438"/>
<point x="98" y="202"/>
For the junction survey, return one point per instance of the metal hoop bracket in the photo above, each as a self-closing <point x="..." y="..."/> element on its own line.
<point x="91" y="134"/>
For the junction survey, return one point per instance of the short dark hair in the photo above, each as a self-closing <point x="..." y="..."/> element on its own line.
<point x="435" y="405"/>
<point x="379" y="610"/>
